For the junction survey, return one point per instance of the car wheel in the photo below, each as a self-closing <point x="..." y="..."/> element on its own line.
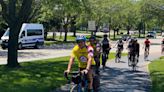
<point x="20" y="46"/>
<point x="38" y="46"/>
<point x="3" y="47"/>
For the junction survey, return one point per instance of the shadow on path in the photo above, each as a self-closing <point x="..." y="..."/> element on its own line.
<point x="123" y="80"/>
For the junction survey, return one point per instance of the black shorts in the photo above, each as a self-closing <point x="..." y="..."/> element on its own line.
<point x="147" y="45"/>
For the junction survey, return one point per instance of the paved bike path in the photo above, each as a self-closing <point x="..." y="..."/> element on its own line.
<point x="118" y="77"/>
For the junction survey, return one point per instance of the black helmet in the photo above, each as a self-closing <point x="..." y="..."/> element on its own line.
<point x="105" y="35"/>
<point x="135" y="39"/>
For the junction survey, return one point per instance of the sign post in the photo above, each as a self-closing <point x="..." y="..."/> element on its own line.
<point x="91" y="26"/>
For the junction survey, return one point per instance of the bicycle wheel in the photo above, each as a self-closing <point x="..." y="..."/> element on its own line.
<point x="146" y="55"/>
<point x="96" y="83"/>
<point x="134" y="62"/>
<point x="116" y="57"/>
<point x="119" y="56"/>
<point x="129" y="61"/>
<point x="76" y="88"/>
<point x="104" y="59"/>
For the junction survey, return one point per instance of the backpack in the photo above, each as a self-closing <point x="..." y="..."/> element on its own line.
<point x="105" y="43"/>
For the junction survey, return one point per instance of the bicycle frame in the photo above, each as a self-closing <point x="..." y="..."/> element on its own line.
<point x="77" y="87"/>
<point x="104" y="58"/>
<point x="118" y="55"/>
<point x="133" y="60"/>
<point x="146" y="53"/>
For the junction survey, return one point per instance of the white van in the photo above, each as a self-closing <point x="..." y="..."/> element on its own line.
<point x="31" y="35"/>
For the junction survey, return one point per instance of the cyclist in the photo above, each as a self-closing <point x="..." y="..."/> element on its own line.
<point x="106" y="45"/>
<point x="120" y="46"/>
<point x="136" y="48"/>
<point x="97" y="51"/>
<point x="162" y="46"/>
<point x="84" y="55"/>
<point x="105" y="49"/>
<point x="130" y="47"/>
<point x="147" y="45"/>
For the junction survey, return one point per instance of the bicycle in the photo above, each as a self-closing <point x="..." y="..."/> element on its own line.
<point x="129" y="61"/>
<point x="104" y="59"/>
<point x="146" y="54"/>
<point x="78" y="81"/>
<point x="118" y="55"/>
<point x="134" y="61"/>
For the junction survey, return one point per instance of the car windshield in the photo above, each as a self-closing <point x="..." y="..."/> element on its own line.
<point x="7" y="32"/>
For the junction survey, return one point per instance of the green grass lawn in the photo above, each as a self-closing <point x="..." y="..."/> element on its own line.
<point x="157" y="75"/>
<point x="39" y="76"/>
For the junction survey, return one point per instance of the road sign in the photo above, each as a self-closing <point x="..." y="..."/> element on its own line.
<point x="91" y="25"/>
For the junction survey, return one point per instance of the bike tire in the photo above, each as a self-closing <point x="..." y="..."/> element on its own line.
<point x="129" y="62"/>
<point x="134" y="64"/>
<point x="116" y="56"/>
<point x="74" y="89"/>
<point x="96" y="83"/>
<point x="104" y="59"/>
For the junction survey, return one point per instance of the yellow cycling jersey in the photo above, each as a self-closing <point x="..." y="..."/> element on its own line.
<point x="82" y="56"/>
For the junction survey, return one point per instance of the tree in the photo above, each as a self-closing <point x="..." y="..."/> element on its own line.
<point x="15" y="12"/>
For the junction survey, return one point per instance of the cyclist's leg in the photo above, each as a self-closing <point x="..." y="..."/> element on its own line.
<point x="133" y="60"/>
<point x="145" y="53"/>
<point x="148" y="50"/>
<point x="97" y="60"/>
<point x="90" y="80"/>
<point x="103" y="58"/>
<point x="96" y="81"/>
<point x="121" y="51"/>
<point x="116" y="56"/>
<point x="107" y="53"/>
<point x="130" y="58"/>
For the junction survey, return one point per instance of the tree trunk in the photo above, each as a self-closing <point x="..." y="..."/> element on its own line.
<point x="114" y="36"/>
<point x="117" y="31"/>
<point x="109" y="32"/>
<point x="139" y="33"/>
<point x="12" y="46"/>
<point x="128" y="29"/>
<point x="144" y="28"/>
<point x="66" y="30"/>
<point x="74" y="31"/>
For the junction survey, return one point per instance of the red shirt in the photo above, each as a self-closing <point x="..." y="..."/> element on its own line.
<point x="147" y="42"/>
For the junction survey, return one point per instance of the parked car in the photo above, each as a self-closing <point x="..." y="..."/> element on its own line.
<point x="126" y="37"/>
<point x="151" y="34"/>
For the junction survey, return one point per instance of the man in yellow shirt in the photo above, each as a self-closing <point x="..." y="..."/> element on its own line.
<point x="84" y="55"/>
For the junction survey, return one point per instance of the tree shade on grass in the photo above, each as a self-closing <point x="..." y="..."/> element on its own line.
<point x="157" y="75"/>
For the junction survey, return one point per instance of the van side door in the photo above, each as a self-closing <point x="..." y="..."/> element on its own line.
<point x="22" y="39"/>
